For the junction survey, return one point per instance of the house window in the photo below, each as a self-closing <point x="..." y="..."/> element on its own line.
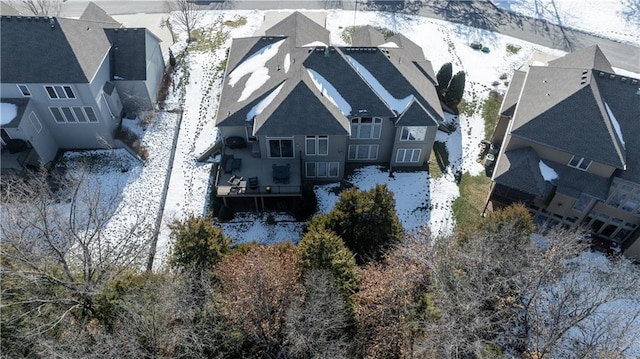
<point x="35" y="122"/>
<point x="91" y="116"/>
<point x="411" y="155"/>
<point x="580" y="163"/>
<point x="618" y="194"/>
<point x="582" y="203"/>
<point x="25" y="90"/>
<point x="413" y="133"/>
<point x="363" y="152"/>
<point x="632" y="202"/>
<point x="280" y="148"/>
<point x="366" y="128"/>
<point x="66" y="111"/>
<point x="57" y="114"/>
<point x="317" y="145"/>
<point x="322" y="169"/>
<point x="73" y="114"/>
<point x="60" y="92"/>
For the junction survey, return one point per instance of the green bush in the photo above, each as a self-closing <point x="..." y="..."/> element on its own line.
<point x="198" y="244"/>
<point x="323" y="249"/>
<point x="365" y="220"/>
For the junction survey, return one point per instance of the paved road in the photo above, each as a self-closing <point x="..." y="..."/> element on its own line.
<point x="479" y="14"/>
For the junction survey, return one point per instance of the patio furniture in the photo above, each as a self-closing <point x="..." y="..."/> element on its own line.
<point x="230" y="164"/>
<point x="226" y="164"/>
<point x="281" y="173"/>
<point x="234" y="142"/>
<point x="253" y="182"/>
<point x="235" y="181"/>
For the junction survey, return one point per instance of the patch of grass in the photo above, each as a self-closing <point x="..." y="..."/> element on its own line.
<point x="467" y="208"/>
<point x="513" y="49"/>
<point x="208" y="39"/>
<point x="490" y="109"/>
<point x="385" y="32"/>
<point x="236" y="23"/>
<point x="349" y="30"/>
<point x="439" y="160"/>
<point x="467" y="108"/>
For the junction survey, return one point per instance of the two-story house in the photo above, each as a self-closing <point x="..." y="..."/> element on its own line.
<point x="293" y="108"/>
<point x="65" y="83"/>
<point x="569" y="130"/>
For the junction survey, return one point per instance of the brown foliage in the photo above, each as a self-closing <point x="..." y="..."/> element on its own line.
<point x="387" y="304"/>
<point x="258" y="288"/>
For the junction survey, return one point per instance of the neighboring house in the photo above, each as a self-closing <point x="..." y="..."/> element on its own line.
<point x="569" y="132"/>
<point x="304" y="109"/>
<point x="65" y="83"/>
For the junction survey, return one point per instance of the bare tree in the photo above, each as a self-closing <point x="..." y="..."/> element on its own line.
<point x="388" y="303"/>
<point x="40" y="7"/>
<point x="59" y="249"/>
<point x="258" y="288"/>
<point x="317" y="324"/>
<point x="499" y="290"/>
<point x="185" y="15"/>
<point x="580" y="304"/>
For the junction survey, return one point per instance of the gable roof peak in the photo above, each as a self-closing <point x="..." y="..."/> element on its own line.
<point x="301" y="29"/>
<point x="367" y="36"/>
<point x="95" y="13"/>
<point x="590" y="57"/>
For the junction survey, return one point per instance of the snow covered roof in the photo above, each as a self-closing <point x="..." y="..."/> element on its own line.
<point x="547" y="172"/>
<point x="522" y="169"/>
<point x="8" y="112"/>
<point x="11" y="111"/>
<point x="563" y="108"/>
<point x="346" y="81"/>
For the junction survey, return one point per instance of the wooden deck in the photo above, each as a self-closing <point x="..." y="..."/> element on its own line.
<point x="262" y="169"/>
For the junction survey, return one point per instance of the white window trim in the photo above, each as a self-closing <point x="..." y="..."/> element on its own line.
<point x="74" y="120"/>
<point x="316" y="166"/>
<point x="354" y="149"/>
<point x="405" y="152"/>
<point x="37" y="127"/>
<point x="408" y="139"/>
<point x="316" y="144"/>
<point x="293" y="147"/>
<point x="22" y="92"/>
<point x="374" y="121"/>
<point x="64" y="91"/>
<point x="577" y="166"/>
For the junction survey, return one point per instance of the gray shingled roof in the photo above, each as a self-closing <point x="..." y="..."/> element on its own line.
<point x="562" y="108"/>
<point x="243" y="48"/>
<point x="520" y="169"/>
<point x="50" y="50"/>
<point x="300" y="28"/>
<point x="415" y="115"/>
<point x="21" y="104"/>
<point x="588" y="58"/>
<point x="288" y="116"/>
<point x="337" y="70"/>
<point x="95" y="13"/>
<point x="128" y="54"/>
<point x="410" y="48"/>
<point x="623" y="98"/>
<point x="367" y="36"/>
<point x="510" y="101"/>
<point x="299" y="107"/>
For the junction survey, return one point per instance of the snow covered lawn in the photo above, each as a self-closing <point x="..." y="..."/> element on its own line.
<point x="420" y="200"/>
